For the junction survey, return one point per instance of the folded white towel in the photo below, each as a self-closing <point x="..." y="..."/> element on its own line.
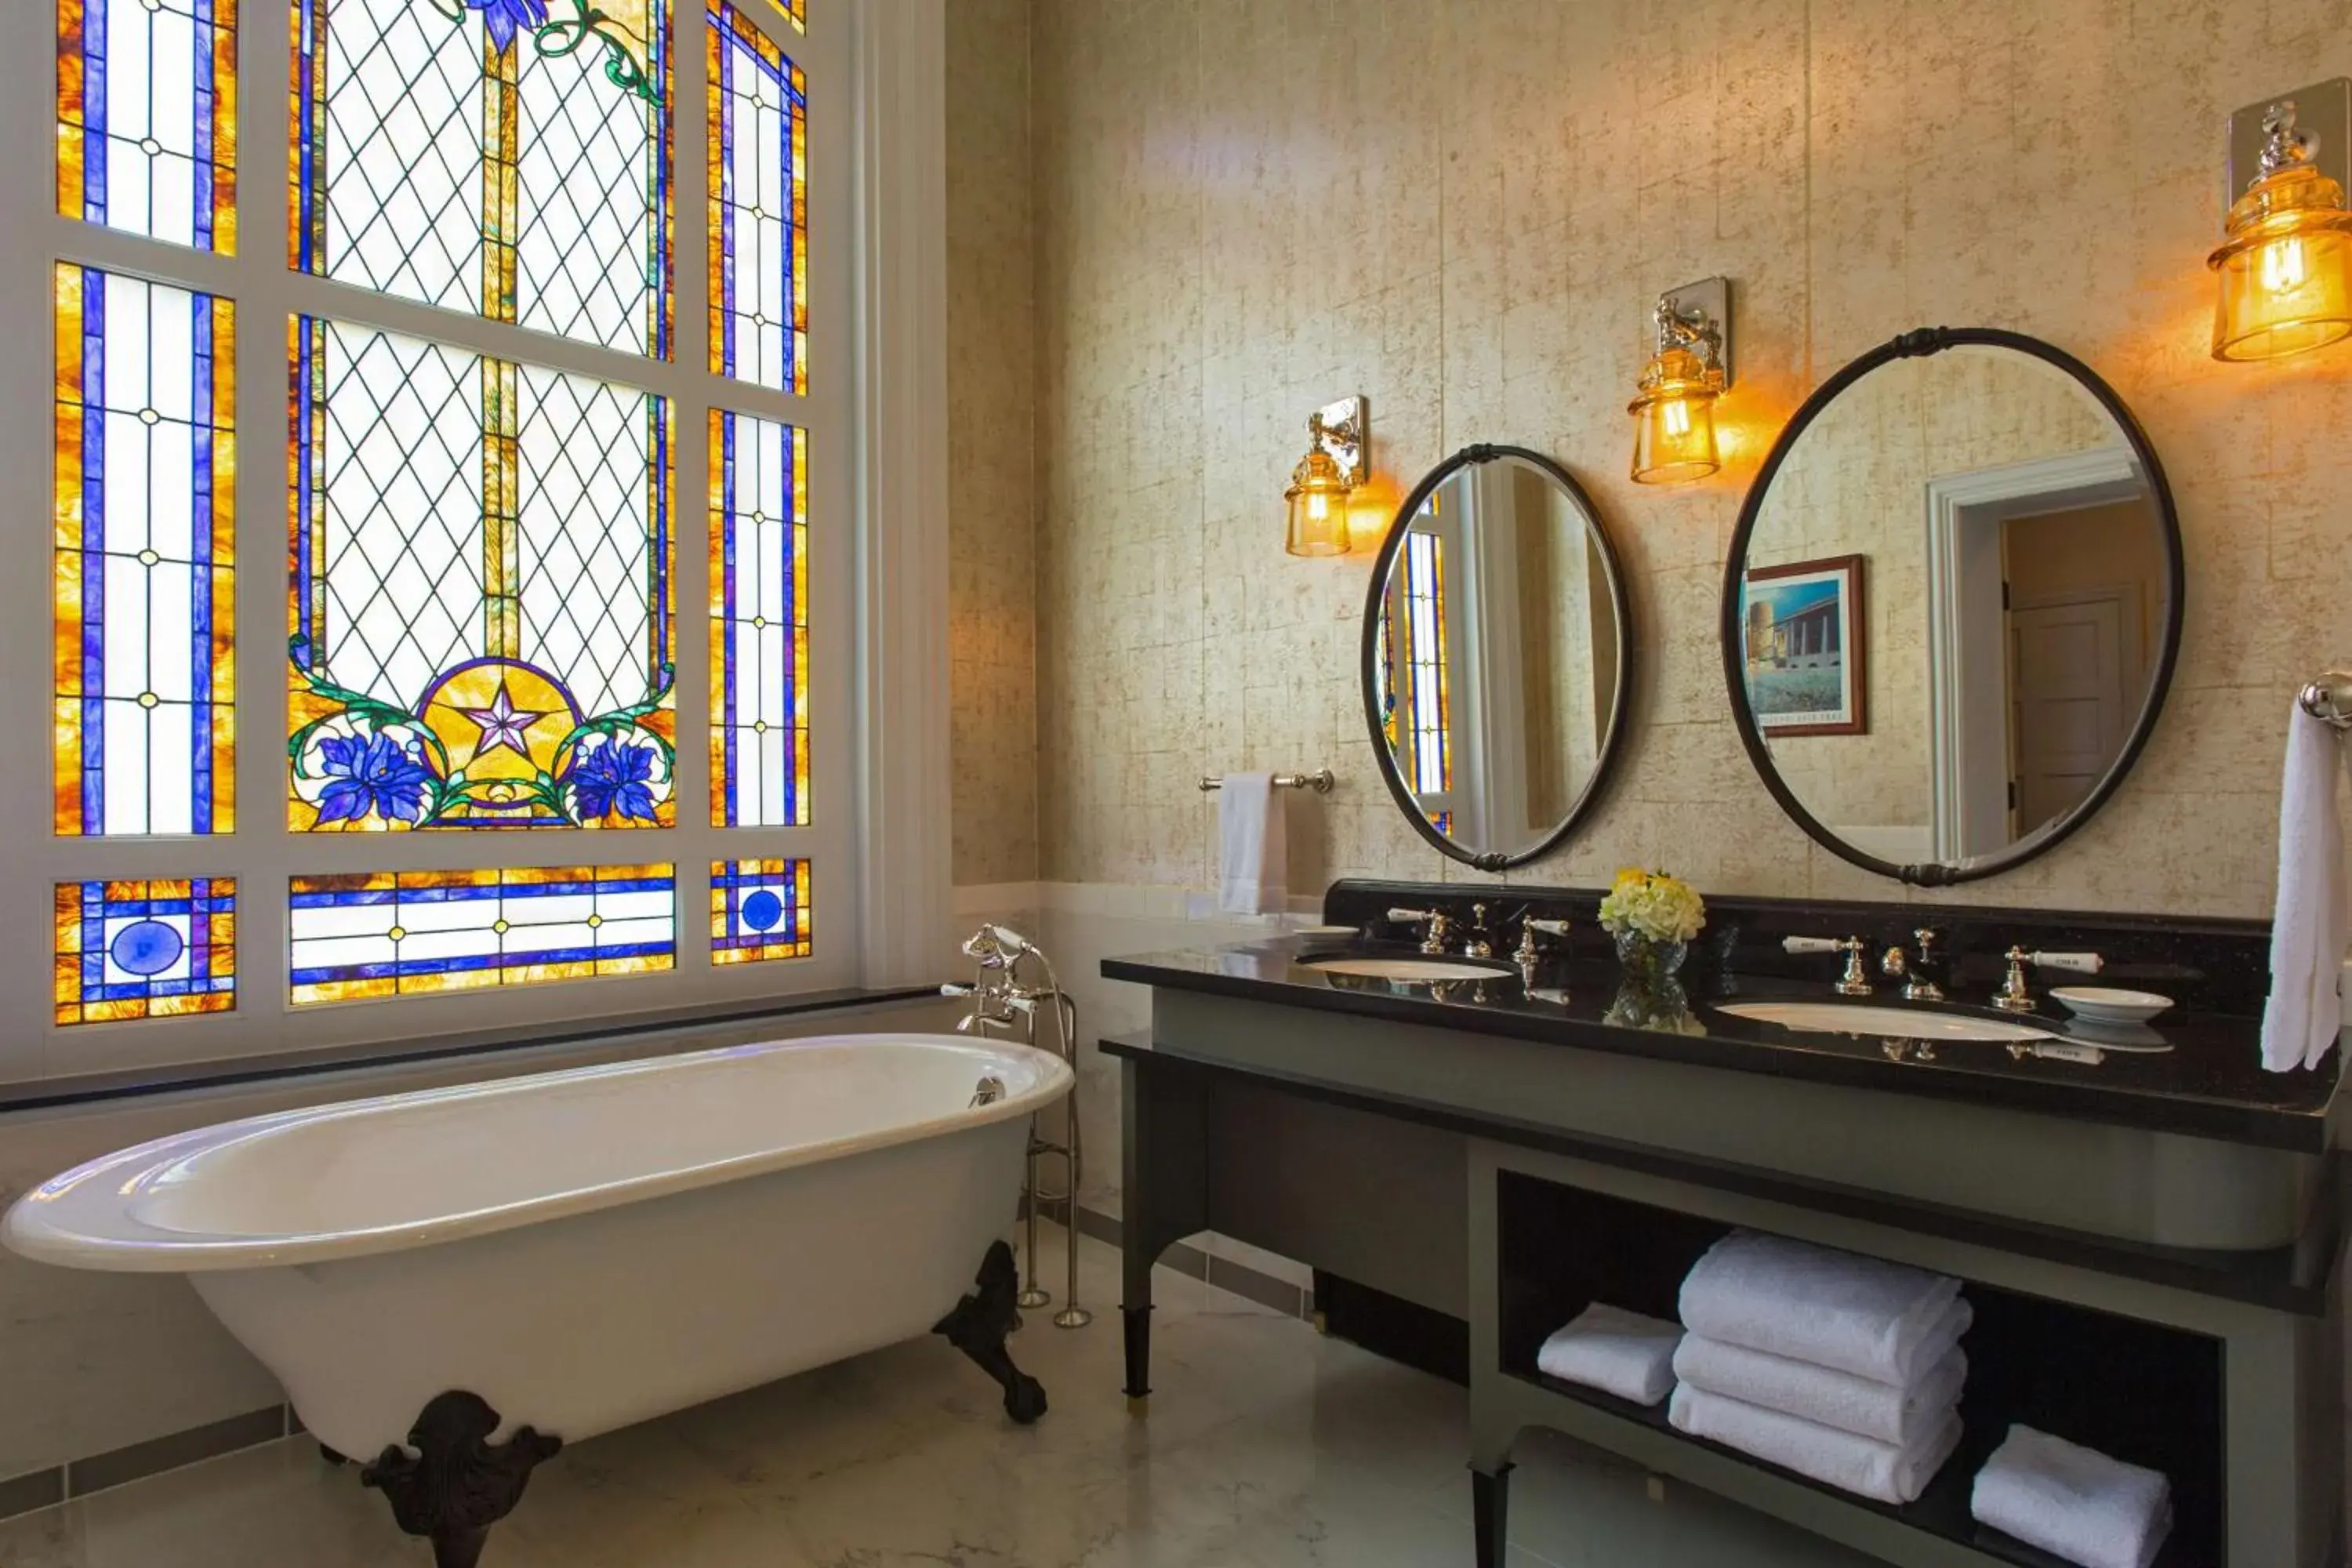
<point x="1254" y="866"/>
<point x="2312" y="916"/>
<point x="1863" y="1465"/>
<point x="2074" y="1502"/>
<point x="1862" y="1315"/>
<point x="1617" y="1351"/>
<point x="1838" y="1399"/>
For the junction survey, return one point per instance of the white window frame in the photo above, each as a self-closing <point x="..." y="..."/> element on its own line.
<point x="876" y="418"/>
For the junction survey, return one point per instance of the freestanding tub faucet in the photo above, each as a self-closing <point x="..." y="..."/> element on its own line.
<point x="1001" y="1002"/>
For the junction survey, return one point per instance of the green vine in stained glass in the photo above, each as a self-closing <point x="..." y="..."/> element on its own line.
<point x="571" y="24"/>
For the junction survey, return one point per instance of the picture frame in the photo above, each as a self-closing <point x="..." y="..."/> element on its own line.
<point x="1804" y="641"/>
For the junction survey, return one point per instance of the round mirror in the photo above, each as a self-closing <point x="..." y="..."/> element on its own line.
<point x="1496" y="655"/>
<point x="1952" y="605"/>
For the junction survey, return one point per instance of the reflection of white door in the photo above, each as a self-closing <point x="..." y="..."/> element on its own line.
<point x="2066" y="659"/>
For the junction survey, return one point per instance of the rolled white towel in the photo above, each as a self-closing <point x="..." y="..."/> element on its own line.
<point x="1838" y="1399"/>
<point x="2074" y="1502"/>
<point x="1617" y="1351"/>
<point x="1863" y="1465"/>
<point x="1861" y="1315"/>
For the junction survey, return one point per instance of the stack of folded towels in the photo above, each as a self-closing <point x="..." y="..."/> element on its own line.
<point x="1845" y="1369"/>
<point x="2074" y="1502"/>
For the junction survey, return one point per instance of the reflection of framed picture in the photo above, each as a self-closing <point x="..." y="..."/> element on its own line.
<point x="1805" y="656"/>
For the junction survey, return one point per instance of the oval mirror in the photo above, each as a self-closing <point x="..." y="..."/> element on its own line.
<point x="1497" y="656"/>
<point x="1952" y="605"/>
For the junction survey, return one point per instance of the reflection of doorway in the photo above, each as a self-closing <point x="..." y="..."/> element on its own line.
<point x="2037" y="527"/>
<point x="2068" y="659"/>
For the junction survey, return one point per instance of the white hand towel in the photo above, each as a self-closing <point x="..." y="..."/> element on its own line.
<point x="1838" y="1399"/>
<point x="1617" y="1351"/>
<point x="1862" y="1315"/>
<point x="1254" y="857"/>
<point x="1863" y="1465"/>
<point x="2074" y="1502"/>
<point x="2313" y="913"/>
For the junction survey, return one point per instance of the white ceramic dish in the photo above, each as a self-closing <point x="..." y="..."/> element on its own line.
<point x="2134" y="1038"/>
<point x="2106" y="1004"/>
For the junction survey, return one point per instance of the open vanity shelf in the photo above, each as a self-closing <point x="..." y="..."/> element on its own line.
<point x="2141" y="1391"/>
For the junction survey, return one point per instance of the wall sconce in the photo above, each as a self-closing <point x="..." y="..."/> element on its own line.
<point x="1334" y="465"/>
<point x="2284" y="272"/>
<point x="1674" y="417"/>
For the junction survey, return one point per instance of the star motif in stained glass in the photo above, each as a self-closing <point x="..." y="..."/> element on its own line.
<point x="502" y="724"/>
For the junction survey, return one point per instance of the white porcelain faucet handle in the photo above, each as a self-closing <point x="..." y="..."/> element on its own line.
<point x="2080" y="962"/>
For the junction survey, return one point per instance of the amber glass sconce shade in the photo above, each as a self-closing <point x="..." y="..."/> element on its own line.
<point x="1673" y="414"/>
<point x="2284" y="272"/>
<point x="1319" y="486"/>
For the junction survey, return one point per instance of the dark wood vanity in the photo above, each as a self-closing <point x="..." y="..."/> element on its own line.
<point x="2149" y="1238"/>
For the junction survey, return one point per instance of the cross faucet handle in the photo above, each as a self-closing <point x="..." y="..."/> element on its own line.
<point x="1440" y="926"/>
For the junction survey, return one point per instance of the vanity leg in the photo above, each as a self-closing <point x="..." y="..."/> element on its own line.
<point x="458" y="1484"/>
<point x="1138" y="1323"/>
<point x="1490" y="1496"/>
<point x="981" y="1323"/>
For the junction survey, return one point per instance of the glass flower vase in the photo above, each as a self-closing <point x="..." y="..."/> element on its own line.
<point x="1650" y="994"/>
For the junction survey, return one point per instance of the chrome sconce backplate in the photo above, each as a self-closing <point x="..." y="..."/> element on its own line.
<point x="1343" y="430"/>
<point x="2322" y="116"/>
<point x="1706" y="302"/>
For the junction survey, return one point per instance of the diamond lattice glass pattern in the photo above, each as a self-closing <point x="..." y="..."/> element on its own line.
<point x="145" y="950"/>
<point x="375" y="934"/>
<point x="144" y="678"/>
<point x="758" y="623"/>
<point x="481" y="557"/>
<point x="147" y="118"/>
<point x="759" y="909"/>
<point x="758" y="157"/>
<point x="442" y="154"/>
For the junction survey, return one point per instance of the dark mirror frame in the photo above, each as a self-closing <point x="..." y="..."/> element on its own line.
<point x="1375" y="607"/>
<point x="1916" y="344"/>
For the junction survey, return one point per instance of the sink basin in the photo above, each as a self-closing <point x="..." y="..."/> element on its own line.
<point x="1412" y="971"/>
<point x="1892" y="1023"/>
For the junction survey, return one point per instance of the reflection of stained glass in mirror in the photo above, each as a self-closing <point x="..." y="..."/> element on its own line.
<point x="759" y="206"/>
<point x="759" y="909"/>
<point x="480" y="606"/>
<point x="147" y="118"/>
<point x="1424" y="636"/>
<point x="145" y="950"/>
<point x="373" y="934"/>
<point x="444" y="152"/>
<point x="144" y="675"/>
<point x="758" y="623"/>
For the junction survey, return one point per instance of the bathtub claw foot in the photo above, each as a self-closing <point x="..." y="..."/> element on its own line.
<point x="983" y="1321"/>
<point x="459" y="1483"/>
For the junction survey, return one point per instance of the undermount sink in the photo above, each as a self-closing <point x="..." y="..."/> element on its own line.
<point x="1424" y="970"/>
<point x="1892" y="1023"/>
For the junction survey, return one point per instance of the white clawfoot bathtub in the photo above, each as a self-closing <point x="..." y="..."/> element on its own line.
<point x="582" y="1249"/>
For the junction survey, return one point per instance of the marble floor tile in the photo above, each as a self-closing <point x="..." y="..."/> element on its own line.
<point x="1268" y="1446"/>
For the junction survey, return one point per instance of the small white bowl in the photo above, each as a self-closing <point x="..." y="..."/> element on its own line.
<point x="2104" y="1004"/>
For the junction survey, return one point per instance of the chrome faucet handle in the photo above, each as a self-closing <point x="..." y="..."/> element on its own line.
<point x="2016" y="996"/>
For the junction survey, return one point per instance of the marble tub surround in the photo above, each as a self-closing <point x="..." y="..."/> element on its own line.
<point x="1272" y="1447"/>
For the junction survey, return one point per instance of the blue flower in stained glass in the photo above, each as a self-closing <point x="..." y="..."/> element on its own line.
<point x="762" y="910"/>
<point x="146" y="947"/>
<point x="505" y="17"/>
<point x="370" y="772"/>
<point x="614" y="779"/>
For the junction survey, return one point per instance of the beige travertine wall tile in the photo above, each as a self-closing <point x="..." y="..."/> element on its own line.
<point x="992" y="443"/>
<point x="1463" y="209"/>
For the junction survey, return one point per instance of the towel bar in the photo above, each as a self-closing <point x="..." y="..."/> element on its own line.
<point x="1319" y="781"/>
<point x="2327" y="699"/>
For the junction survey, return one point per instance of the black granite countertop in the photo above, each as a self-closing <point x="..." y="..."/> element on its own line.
<point x="2210" y="1084"/>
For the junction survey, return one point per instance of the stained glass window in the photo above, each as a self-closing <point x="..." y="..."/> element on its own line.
<point x="399" y="933"/>
<point x="147" y="118"/>
<point x="759" y="206"/>
<point x="759" y="909"/>
<point x="758" y="623"/>
<point x="1424" y="600"/>
<point x="145" y="950"/>
<point x="480" y="603"/>
<point x="511" y="158"/>
<point x="144" y="503"/>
